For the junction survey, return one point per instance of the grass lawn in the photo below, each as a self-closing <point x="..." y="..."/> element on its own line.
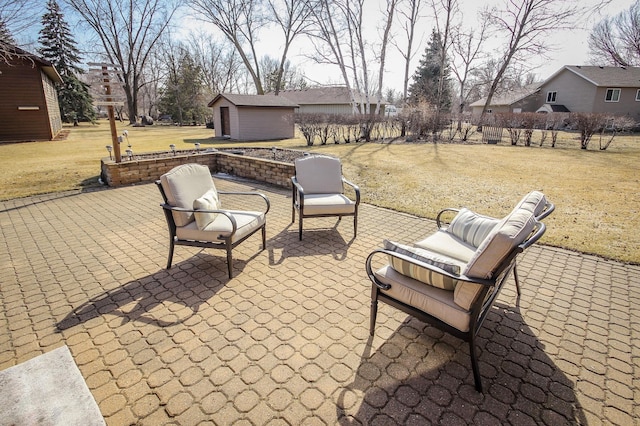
<point x="597" y="193"/>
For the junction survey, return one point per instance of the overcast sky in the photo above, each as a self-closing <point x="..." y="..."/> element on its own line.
<point x="571" y="45"/>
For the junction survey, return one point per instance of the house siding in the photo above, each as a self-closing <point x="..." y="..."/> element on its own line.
<point x="627" y="105"/>
<point x="265" y="123"/>
<point x="53" y="107"/>
<point x="574" y="92"/>
<point x="254" y="123"/>
<point x="21" y="86"/>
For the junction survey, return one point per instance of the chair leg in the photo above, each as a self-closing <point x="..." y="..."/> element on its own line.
<point x="171" y="246"/>
<point x="515" y="276"/>
<point x="374" y="309"/>
<point x="300" y="226"/>
<point x="355" y="225"/>
<point x="474" y="365"/>
<point x="229" y="260"/>
<point x="264" y="236"/>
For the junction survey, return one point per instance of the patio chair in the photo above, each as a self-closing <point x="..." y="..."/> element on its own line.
<point x="470" y="228"/>
<point x="439" y="287"/>
<point x="195" y="216"/>
<point x="318" y="191"/>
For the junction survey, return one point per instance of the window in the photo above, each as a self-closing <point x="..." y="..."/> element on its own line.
<point x="551" y="97"/>
<point x="638" y="95"/>
<point x="613" y="95"/>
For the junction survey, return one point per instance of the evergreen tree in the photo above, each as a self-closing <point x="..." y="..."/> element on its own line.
<point x="182" y="96"/>
<point x="59" y="48"/>
<point x="5" y="35"/>
<point x="424" y="87"/>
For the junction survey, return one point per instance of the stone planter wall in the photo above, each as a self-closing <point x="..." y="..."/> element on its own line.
<point x="149" y="170"/>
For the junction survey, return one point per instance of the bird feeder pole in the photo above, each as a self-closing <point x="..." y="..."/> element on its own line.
<point x="112" y="118"/>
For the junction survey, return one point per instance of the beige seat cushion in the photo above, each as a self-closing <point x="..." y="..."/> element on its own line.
<point x="437" y="302"/>
<point x="447" y="244"/>
<point x="247" y="222"/>
<point x="184" y="184"/>
<point x="316" y="204"/>
<point x="508" y="234"/>
<point x="319" y="174"/>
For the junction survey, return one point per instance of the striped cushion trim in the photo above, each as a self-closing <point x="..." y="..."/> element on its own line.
<point x="421" y="273"/>
<point x="471" y="227"/>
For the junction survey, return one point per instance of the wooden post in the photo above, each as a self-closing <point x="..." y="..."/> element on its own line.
<point x="112" y="118"/>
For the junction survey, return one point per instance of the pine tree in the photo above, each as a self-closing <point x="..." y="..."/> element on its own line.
<point x="59" y="48"/>
<point x="424" y="87"/>
<point x="182" y="95"/>
<point x="5" y="35"/>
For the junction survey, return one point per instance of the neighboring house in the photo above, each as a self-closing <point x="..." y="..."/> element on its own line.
<point x="575" y="88"/>
<point x="523" y="99"/>
<point x="253" y="117"/>
<point x="29" y="108"/>
<point x="328" y="100"/>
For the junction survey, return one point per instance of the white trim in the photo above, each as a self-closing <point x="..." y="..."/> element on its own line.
<point x="613" y="90"/>
<point x="552" y="95"/>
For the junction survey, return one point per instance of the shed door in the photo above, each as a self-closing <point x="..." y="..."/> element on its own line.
<point x="224" y="121"/>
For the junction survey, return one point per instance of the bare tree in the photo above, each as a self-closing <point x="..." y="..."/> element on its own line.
<point x="409" y="12"/>
<point x="293" y="18"/>
<point x="218" y="62"/>
<point x="128" y="31"/>
<point x="240" y="21"/>
<point x="616" y="40"/>
<point x="525" y="26"/>
<point x="16" y="16"/>
<point x="339" y="39"/>
<point x="466" y="51"/>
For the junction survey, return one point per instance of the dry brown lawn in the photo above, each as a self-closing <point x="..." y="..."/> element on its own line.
<point x="597" y="193"/>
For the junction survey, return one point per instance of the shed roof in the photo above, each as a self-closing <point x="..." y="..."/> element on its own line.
<point x="255" y="101"/>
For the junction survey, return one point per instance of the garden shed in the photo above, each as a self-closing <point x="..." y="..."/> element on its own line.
<point x="253" y="117"/>
<point x="29" y="109"/>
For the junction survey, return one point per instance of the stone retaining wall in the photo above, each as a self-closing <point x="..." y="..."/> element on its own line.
<point x="149" y="170"/>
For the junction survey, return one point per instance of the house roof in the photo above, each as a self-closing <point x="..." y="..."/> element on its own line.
<point x="46" y="66"/>
<point x="323" y="95"/>
<point x="511" y="97"/>
<point x="255" y="101"/>
<point x="605" y="76"/>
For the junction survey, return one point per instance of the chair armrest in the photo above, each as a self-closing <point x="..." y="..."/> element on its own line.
<point x="440" y="222"/>
<point x="355" y="188"/>
<point x="409" y="259"/>
<point x="256" y="194"/>
<point x="225" y="213"/>
<point x="297" y="185"/>
<point x="548" y="209"/>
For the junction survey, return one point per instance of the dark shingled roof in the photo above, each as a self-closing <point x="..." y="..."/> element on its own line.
<point x="607" y="76"/>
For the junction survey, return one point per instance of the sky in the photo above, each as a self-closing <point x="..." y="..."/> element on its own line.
<point x="571" y="46"/>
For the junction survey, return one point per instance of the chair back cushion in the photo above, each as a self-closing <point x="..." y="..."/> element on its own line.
<point x="183" y="185"/>
<point x="535" y="202"/>
<point x="319" y="174"/>
<point x="209" y="201"/>
<point x="501" y="241"/>
<point x="471" y="227"/>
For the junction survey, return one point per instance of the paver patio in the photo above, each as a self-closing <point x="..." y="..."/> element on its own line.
<point x="286" y="340"/>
